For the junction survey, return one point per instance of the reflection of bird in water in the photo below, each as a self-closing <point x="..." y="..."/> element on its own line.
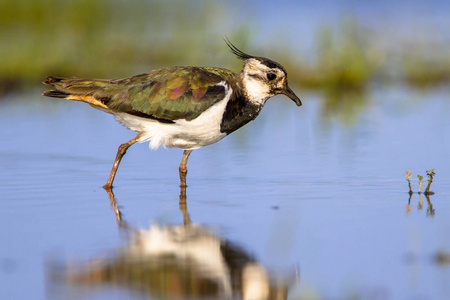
<point x="177" y="262"/>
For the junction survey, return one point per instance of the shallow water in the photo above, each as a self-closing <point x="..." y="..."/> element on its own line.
<point x="316" y="198"/>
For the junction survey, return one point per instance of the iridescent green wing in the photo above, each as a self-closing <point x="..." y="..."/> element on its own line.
<point x="172" y="93"/>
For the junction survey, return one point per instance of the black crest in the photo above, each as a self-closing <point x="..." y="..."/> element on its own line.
<point x="236" y="51"/>
<point x="242" y="55"/>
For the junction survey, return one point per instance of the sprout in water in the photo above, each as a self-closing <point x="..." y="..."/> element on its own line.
<point x="408" y="178"/>
<point x="430" y="174"/>
<point x="420" y="182"/>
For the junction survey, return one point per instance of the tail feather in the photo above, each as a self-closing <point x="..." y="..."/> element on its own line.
<point x="96" y="92"/>
<point x="50" y="80"/>
<point x="56" y="94"/>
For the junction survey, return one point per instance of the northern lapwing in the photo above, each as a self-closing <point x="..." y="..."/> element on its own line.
<point x="182" y="107"/>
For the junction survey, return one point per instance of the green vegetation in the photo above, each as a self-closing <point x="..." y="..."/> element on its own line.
<point x="113" y="38"/>
<point x="408" y="178"/>
<point x="425" y="68"/>
<point x="430" y="174"/>
<point x="430" y="210"/>
<point x="106" y="38"/>
<point x="420" y="183"/>
<point x="344" y="59"/>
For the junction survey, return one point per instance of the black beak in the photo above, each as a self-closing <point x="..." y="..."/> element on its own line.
<point x="288" y="92"/>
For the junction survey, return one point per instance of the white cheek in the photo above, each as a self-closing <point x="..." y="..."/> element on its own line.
<point x="257" y="92"/>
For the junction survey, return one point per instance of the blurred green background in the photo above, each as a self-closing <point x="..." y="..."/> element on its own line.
<point x="336" y="45"/>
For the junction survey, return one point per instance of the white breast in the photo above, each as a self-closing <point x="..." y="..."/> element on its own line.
<point x="187" y="135"/>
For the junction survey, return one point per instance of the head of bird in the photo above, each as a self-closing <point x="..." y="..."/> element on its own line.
<point x="262" y="78"/>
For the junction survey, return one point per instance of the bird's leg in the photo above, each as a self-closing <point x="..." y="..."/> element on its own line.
<point x="183" y="168"/>
<point x="183" y="207"/>
<point x="120" y="153"/>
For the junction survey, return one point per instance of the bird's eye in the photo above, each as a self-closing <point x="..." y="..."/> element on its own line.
<point x="271" y="76"/>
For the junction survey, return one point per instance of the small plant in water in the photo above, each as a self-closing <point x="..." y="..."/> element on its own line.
<point x="430" y="174"/>
<point x="408" y="178"/>
<point x="427" y="193"/>
<point x="420" y="182"/>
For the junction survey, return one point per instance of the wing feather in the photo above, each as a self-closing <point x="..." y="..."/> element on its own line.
<point x="173" y="93"/>
<point x="164" y="95"/>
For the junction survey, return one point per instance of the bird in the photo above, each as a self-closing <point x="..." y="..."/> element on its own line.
<point x="184" y="107"/>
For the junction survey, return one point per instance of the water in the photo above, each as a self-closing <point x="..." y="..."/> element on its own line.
<point x="314" y="199"/>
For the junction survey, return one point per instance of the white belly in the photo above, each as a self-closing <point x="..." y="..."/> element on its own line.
<point x="187" y="135"/>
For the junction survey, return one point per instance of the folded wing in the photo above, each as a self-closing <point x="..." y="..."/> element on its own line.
<point x="165" y="95"/>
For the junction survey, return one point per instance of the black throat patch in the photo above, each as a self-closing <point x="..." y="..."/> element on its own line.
<point x="238" y="113"/>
